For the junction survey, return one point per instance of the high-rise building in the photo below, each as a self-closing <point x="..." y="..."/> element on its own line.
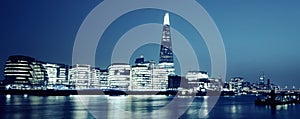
<point x="262" y="79"/>
<point x="22" y="72"/>
<point x="166" y="53"/>
<point x="119" y="76"/>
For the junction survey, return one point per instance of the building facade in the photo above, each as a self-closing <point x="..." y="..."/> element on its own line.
<point x="95" y="78"/>
<point x="57" y="75"/>
<point x="104" y="84"/>
<point x="176" y="82"/>
<point x="80" y="76"/>
<point x="119" y="76"/>
<point x="159" y="78"/>
<point x="141" y="78"/>
<point x="22" y="72"/>
<point x="197" y="79"/>
<point x="166" y="53"/>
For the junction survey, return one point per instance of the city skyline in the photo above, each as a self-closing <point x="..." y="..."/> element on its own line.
<point x="256" y="40"/>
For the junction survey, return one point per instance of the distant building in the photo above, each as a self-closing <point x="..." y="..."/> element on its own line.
<point x="215" y="84"/>
<point x="246" y="86"/>
<point x="236" y="84"/>
<point x="274" y="87"/>
<point x="262" y="81"/>
<point x="22" y="72"/>
<point x="265" y="86"/>
<point x="194" y="75"/>
<point x="141" y="62"/>
<point x="80" y="76"/>
<point x="197" y="79"/>
<point x="119" y="76"/>
<point x="176" y="82"/>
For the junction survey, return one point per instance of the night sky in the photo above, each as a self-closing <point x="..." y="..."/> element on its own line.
<point x="259" y="36"/>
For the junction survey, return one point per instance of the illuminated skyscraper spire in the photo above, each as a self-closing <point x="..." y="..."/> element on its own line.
<point x="166" y="19"/>
<point x="166" y="54"/>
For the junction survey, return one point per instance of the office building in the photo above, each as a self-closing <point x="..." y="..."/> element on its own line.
<point x="80" y="76"/>
<point x="104" y="84"/>
<point x="57" y="75"/>
<point x="140" y="77"/>
<point x="176" y="82"/>
<point x="119" y="76"/>
<point x="166" y="53"/>
<point x="159" y="78"/>
<point x="95" y="78"/>
<point x="22" y="72"/>
<point x="197" y="79"/>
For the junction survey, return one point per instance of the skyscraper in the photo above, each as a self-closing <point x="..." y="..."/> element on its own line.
<point x="166" y="53"/>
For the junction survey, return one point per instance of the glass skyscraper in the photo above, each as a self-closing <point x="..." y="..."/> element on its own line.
<point x="166" y="53"/>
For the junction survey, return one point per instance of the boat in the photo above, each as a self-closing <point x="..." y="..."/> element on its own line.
<point x="274" y="99"/>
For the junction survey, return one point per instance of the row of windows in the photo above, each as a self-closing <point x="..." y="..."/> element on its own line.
<point x="17" y="68"/>
<point x="17" y="74"/>
<point x="16" y="71"/>
<point x="21" y="81"/>
<point x="19" y="64"/>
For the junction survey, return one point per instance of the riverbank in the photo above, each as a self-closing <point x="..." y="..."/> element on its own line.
<point x="106" y="92"/>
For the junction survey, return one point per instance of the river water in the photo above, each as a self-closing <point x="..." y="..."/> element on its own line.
<point x="157" y="106"/>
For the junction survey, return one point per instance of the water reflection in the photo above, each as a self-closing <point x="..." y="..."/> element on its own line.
<point x="144" y="106"/>
<point x="20" y="106"/>
<point x="155" y="106"/>
<point x="203" y="112"/>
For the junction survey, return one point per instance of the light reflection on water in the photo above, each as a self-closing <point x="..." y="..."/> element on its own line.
<point x="141" y="106"/>
<point x="19" y="106"/>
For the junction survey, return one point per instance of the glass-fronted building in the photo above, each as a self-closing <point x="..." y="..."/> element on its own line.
<point x="95" y="78"/>
<point x="119" y="76"/>
<point x="159" y="78"/>
<point x="197" y="79"/>
<point x="166" y="53"/>
<point x="80" y="76"/>
<point x="141" y="78"/>
<point x="57" y="75"/>
<point x="104" y="84"/>
<point x="22" y="72"/>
